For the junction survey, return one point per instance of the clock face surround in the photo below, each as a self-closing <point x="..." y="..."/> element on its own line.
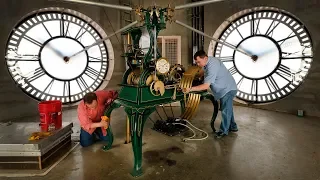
<point x="281" y="53"/>
<point x="37" y="54"/>
<point x="242" y="62"/>
<point x="50" y="61"/>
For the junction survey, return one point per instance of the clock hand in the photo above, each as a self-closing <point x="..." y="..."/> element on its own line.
<point x="54" y="50"/>
<point x="58" y="53"/>
<point x="254" y="57"/>
<point x="101" y="40"/>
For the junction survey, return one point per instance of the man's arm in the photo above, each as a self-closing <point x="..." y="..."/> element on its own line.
<point x="201" y="87"/>
<point x="210" y="78"/>
<point x="108" y="96"/>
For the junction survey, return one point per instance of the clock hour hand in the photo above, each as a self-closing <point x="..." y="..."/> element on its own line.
<point x="101" y="40"/>
<point x="58" y="53"/>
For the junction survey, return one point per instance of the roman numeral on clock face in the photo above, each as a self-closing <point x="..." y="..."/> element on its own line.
<point x="232" y="70"/>
<point x="36" y="75"/>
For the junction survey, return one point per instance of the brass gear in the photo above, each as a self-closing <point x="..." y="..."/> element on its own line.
<point x="192" y="103"/>
<point x="157" y="88"/>
<point x="134" y="77"/>
<point x="176" y="72"/>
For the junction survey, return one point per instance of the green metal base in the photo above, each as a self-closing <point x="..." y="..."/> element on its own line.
<point x="138" y="104"/>
<point x="136" y="173"/>
<point x="110" y="139"/>
<point x="215" y="110"/>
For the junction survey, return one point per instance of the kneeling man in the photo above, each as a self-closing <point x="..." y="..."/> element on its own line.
<point x="90" y="112"/>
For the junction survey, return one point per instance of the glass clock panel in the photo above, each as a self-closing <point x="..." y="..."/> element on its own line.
<point x="283" y="48"/>
<point x="38" y="51"/>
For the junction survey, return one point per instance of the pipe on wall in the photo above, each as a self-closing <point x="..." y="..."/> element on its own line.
<point x="197" y="23"/>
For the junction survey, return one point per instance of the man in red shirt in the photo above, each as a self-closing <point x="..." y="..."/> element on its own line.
<point x="90" y="112"/>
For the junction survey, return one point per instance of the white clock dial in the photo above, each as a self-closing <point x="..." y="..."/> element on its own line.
<point x="162" y="66"/>
<point x="280" y="42"/>
<point x="36" y="54"/>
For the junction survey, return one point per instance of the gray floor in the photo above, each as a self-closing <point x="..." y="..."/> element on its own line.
<point x="268" y="146"/>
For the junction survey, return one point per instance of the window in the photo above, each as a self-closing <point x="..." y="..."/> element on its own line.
<point x="170" y="48"/>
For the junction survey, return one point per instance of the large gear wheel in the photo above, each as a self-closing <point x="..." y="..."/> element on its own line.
<point x="133" y="77"/>
<point x="176" y="72"/>
<point x="193" y="100"/>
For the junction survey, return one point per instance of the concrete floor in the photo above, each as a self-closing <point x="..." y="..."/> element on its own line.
<point x="268" y="146"/>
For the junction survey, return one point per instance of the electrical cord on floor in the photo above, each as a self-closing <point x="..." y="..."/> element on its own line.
<point x="194" y="134"/>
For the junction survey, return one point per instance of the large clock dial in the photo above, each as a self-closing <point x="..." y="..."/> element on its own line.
<point x="36" y="54"/>
<point x="281" y="50"/>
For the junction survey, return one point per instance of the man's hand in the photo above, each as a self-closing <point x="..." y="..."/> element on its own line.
<point x="109" y="101"/>
<point x="201" y="87"/>
<point x="113" y="97"/>
<point x="114" y="94"/>
<point x="186" y="90"/>
<point x="104" y="124"/>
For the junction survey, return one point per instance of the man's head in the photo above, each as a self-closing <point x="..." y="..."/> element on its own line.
<point x="201" y="58"/>
<point x="90" y="100"/>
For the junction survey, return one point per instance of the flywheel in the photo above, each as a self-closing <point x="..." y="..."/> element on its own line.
<point x="193" y="101"/>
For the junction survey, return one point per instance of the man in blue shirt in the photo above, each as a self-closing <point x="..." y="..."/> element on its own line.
<point x="223" y="86"/>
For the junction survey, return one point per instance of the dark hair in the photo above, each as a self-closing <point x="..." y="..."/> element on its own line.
<point x="89" y="97"/>
<point x="200" y="53"/>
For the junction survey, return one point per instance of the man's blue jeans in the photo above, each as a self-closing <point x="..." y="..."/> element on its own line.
<point x="227" y="121"/>
<point x="87" y="139"/>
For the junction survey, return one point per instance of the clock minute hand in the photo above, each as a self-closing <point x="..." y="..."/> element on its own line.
<point x="101" y="40"/>
<point x="217" y="40"/>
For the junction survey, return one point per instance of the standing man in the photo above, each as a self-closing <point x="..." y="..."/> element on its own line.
<point x="90" y="112"/>
<point x="223" y="86"/>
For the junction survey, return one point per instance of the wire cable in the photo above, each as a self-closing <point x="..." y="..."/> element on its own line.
<point x="164" y="111"/>
<point x="171" y="110"/>
<point x="110" y="22"/>
<point x="194" y="134"/>
<point x="159" y="114"/>
<point x="151" y="120"/>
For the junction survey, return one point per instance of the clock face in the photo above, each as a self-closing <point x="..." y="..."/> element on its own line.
<point x="162" y="66"/>
<point x="37" y="54"/>
<point x="283" y="48"/>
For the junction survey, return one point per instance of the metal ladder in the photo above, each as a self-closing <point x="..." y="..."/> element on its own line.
<point x="126" y="17"/>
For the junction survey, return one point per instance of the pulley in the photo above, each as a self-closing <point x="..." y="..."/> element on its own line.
<point x="134" y="77"/>
<point x="157" y="88"/>
<point x="176" y="72"/>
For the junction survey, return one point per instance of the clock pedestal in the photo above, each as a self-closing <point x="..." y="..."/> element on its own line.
<point x="139" y="103"/>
